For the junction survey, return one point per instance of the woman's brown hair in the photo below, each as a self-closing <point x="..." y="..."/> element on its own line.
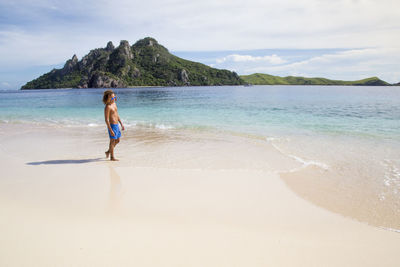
<point x="107" y="95"/>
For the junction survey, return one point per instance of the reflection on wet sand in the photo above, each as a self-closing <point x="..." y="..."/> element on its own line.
<point x="115" y="191"/>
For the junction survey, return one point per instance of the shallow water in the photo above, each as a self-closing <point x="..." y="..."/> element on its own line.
<point x="347" y="110"/>
<point x="337" y="146"/>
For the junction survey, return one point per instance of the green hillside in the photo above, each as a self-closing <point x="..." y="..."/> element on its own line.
<point x="266" y="79"/>
<point x="146" y="63"/>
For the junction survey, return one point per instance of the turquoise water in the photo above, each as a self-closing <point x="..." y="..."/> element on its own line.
<point x="334" y="110"/>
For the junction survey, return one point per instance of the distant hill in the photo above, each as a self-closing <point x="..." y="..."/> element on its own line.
<point x="146" y="63"/>
<point x="266" y="79"/>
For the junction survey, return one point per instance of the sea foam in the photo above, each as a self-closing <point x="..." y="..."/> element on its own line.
<point x="305" y="163"/>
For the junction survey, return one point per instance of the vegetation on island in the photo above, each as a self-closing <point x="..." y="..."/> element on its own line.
<point x="266" y="79"/>
<point x="146" y="63"/>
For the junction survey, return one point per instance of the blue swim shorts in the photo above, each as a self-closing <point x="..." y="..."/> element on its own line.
<point x="116" y="130"/>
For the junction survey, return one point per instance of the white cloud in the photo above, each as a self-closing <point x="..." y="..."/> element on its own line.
<point x="224" y="24"/>
<point x="21" y="49"/>
<point x="350" y="56"/>
<point x="273" y="59"/>
<point x="347" y="65"/>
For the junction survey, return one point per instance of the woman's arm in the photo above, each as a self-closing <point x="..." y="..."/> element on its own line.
<point x="120" y="122"/>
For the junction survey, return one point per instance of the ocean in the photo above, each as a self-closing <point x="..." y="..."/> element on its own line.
<point x="372" y="112"/>
<point x="345" y="140"/>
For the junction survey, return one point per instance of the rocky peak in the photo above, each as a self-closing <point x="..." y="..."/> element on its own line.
<point x="70" y="64"/>
<point x="125" y="49"/>
<point x="110" y="47"/>
<point x="74" y="59"/>
<point x="151" y="42"/>
<point x="148" y="41"/>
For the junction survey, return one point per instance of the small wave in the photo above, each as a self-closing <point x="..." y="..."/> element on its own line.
<point x="160" y="126"/>
<point x="391" y="176"/>
<point x="72" y="123"/>
<point x="68" y="123"/>
<point x="129" y="125"/>
<point x="305" y="163"/>
<point x="163" y="126"/>
<point x="391" y="229"/>
<point x="51" y="121"/>
<point x="279" y="139"/>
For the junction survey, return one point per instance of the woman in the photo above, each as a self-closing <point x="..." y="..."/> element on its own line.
<point x="112" y="119"/>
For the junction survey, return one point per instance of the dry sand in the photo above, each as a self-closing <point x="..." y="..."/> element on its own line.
<point x="62" y="204"/>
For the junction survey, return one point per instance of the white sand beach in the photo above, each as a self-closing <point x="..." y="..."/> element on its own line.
<point x="197" y="202"/>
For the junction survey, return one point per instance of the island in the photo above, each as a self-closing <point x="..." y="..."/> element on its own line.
<point x="266" y="79"/>
<point x="147" y="63"/>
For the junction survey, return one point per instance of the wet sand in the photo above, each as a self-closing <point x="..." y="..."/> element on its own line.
<point x="196" y="202"/>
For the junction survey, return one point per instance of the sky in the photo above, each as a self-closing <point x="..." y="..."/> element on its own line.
<point x="341" y="39"/>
